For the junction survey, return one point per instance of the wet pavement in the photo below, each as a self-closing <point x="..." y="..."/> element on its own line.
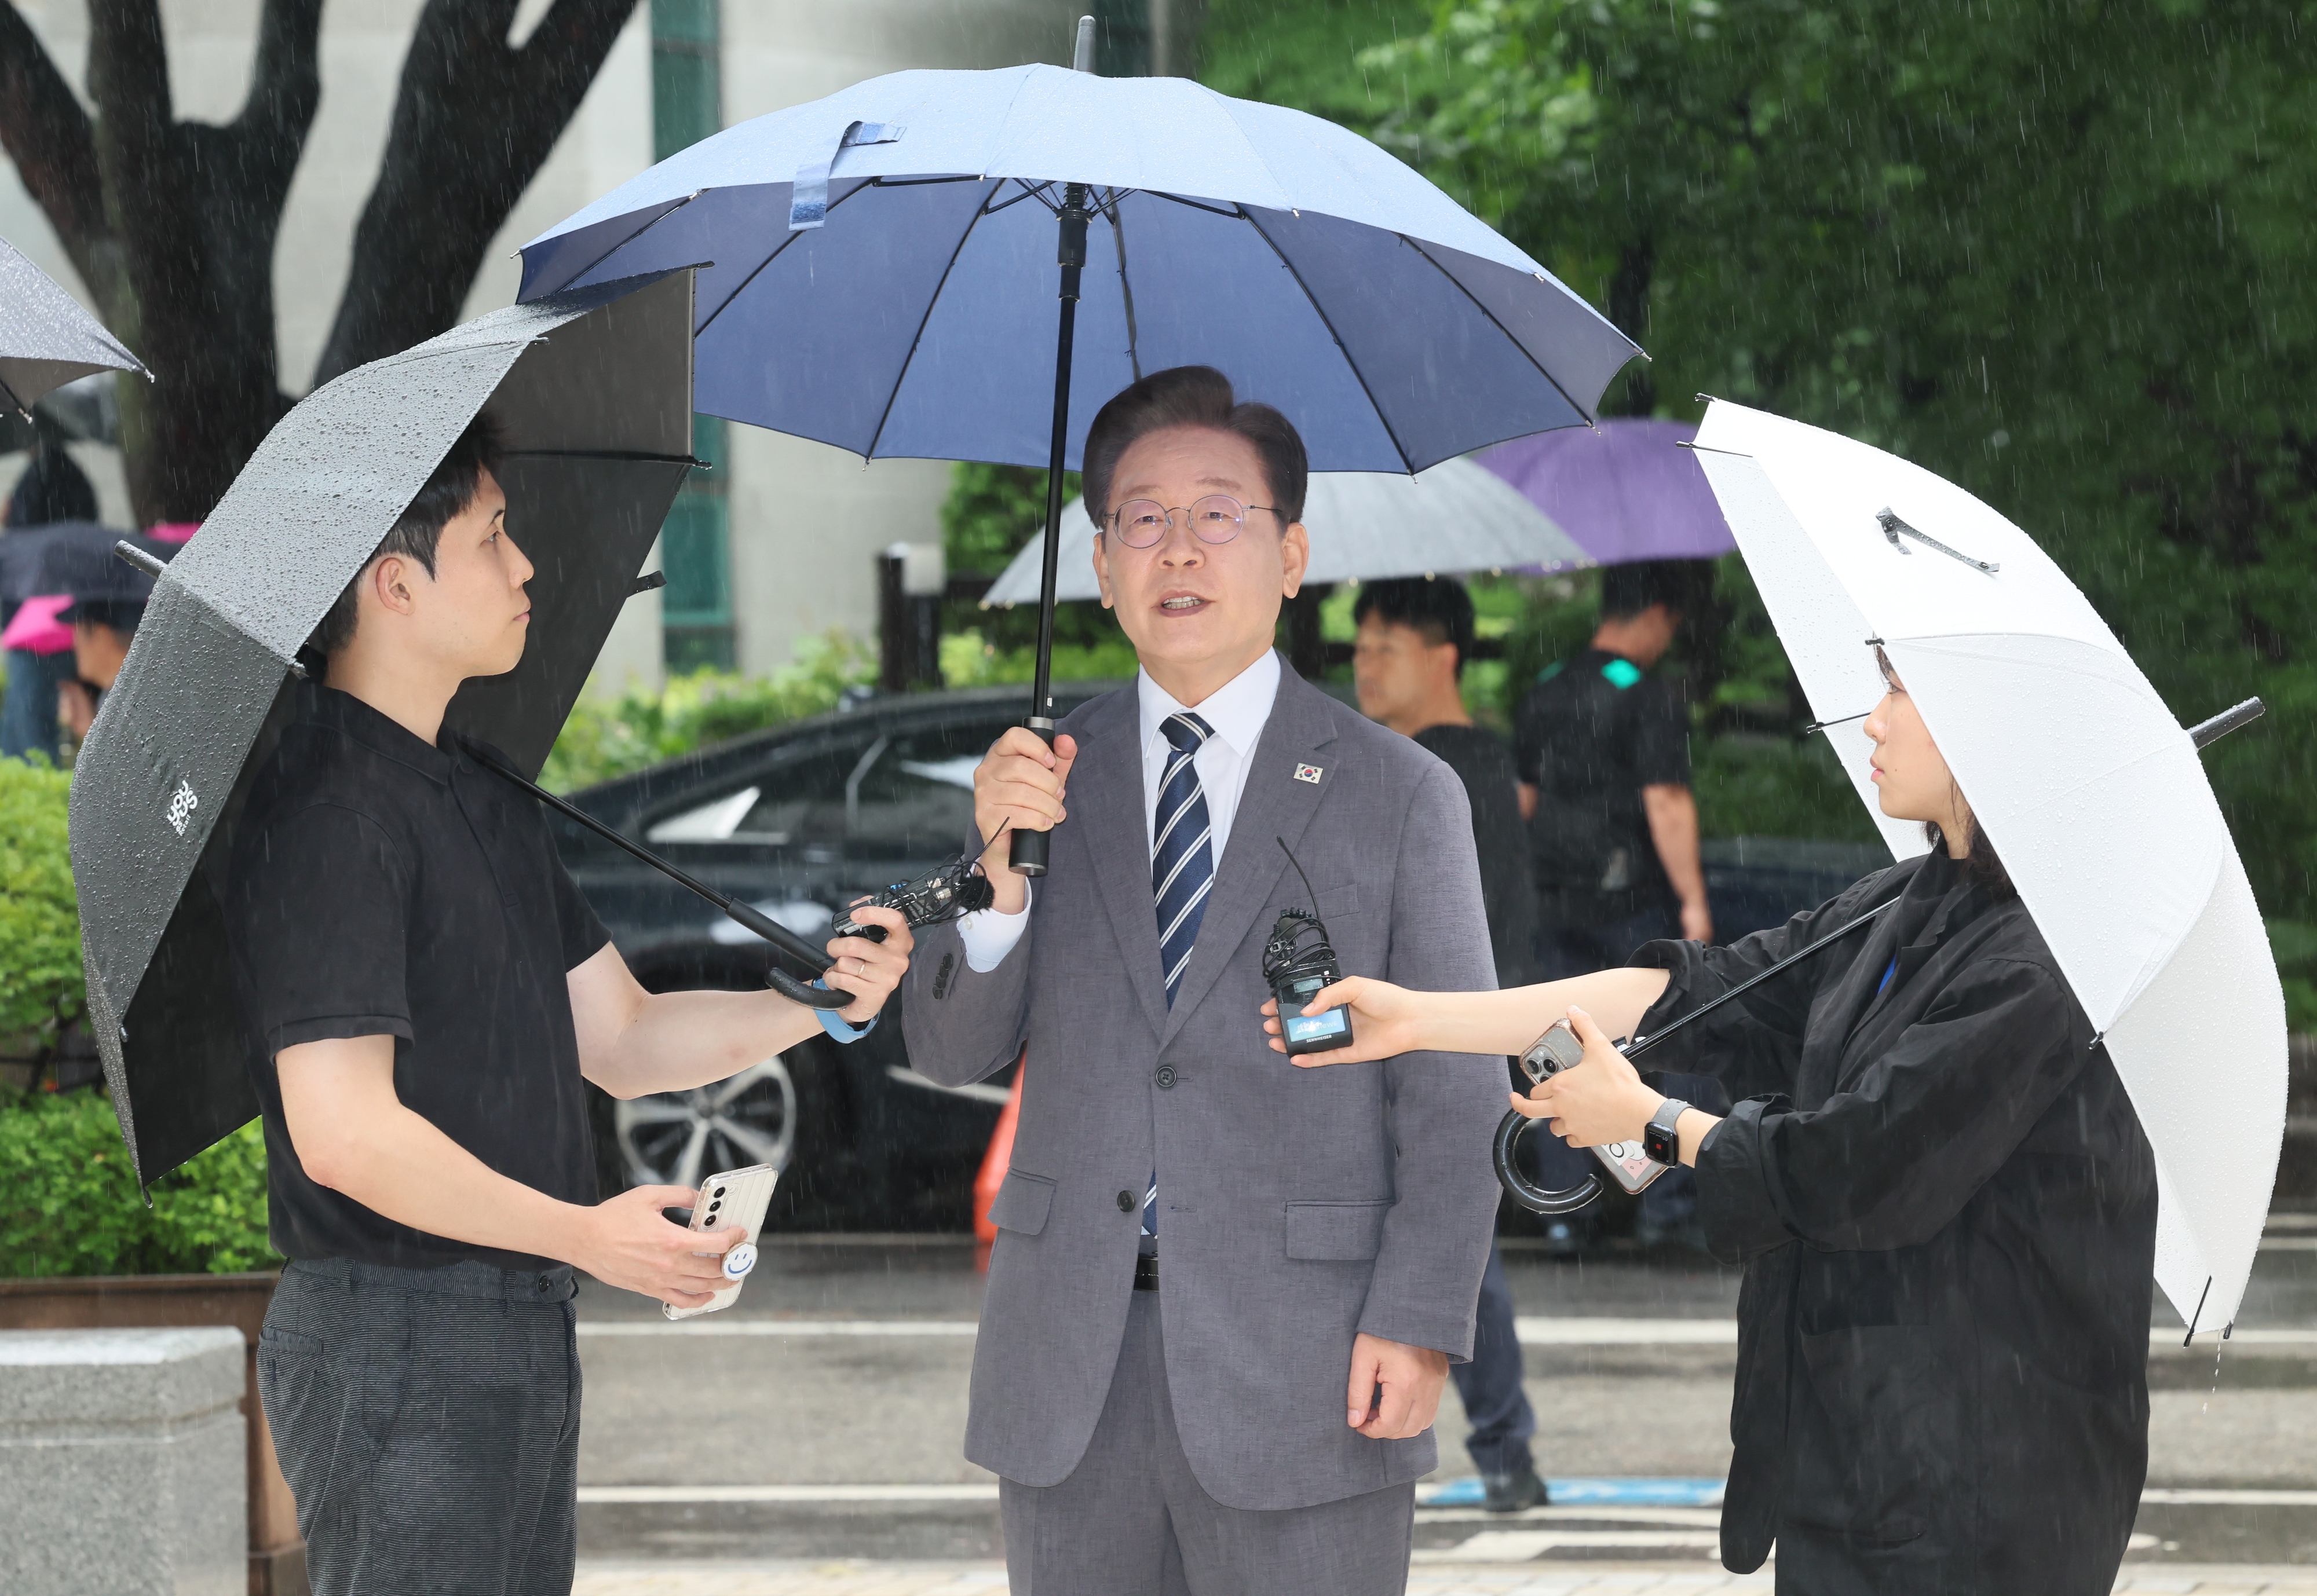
<point x="808" y="1440"/>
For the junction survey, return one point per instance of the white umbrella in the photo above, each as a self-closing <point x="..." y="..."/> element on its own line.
<point x="2086" y="783"/>
<point x="1457" y="516"/>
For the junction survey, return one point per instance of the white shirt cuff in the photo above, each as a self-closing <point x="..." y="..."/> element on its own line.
<point x="989" y="936"/>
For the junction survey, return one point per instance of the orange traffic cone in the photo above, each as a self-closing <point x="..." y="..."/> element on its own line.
<point x="994" y="1164"/>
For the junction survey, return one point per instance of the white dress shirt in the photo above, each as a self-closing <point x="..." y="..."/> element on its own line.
<point x="1238" y="711"/>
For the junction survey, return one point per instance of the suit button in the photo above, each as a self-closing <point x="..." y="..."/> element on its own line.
<point x="1165" y="1077"/>
<point x="1126" y="1202"/>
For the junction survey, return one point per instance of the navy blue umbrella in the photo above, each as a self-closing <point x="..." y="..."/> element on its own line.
<point x="887" y="264"/>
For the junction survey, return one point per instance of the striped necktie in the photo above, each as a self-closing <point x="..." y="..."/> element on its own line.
<point x="1182" y="871"/>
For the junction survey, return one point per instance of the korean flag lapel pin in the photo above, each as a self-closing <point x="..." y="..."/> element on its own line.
<point x="1311" y="773"/>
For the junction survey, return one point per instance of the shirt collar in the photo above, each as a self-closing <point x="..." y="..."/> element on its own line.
<point x="1236" y="711"/>
<point x="341" y="711"/>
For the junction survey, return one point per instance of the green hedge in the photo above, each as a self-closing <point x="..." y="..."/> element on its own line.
<point x="69" y="1206"/>
<point x="40" y="989"/>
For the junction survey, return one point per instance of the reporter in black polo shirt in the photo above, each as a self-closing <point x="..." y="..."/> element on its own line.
<point x="425" y="990"/>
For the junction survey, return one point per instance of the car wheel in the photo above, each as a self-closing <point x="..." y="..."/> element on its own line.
<point x="673" y="1138"/>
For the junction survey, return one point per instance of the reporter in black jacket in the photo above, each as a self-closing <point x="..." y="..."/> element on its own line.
<point x="1944" y="1201"/>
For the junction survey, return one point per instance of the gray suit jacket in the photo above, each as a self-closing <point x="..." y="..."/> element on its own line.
<point x="1298" y="1207"/>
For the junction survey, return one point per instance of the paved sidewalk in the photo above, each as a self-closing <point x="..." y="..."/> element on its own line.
<point x="1601" y="1579"/>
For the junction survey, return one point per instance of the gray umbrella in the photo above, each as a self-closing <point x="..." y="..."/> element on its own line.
<point x="594" y="390"/>
<point x="46" y="339"/>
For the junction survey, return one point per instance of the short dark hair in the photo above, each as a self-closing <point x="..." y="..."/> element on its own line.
<point x="122" y="615"/>
<point x="1628" y="590"/>
<point x="1194" y="396"/>
<point x="417" y="533"/>
<point x="1435" y="608"/>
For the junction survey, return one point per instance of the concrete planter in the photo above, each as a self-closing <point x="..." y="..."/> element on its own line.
<point x="121" y="1457"/>
<point x="277" y="1555"/>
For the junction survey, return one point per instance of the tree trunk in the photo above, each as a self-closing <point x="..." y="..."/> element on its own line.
<point x="196" y="209"/>
<point x="173" y="225"/>
<point x="443" y="192"/>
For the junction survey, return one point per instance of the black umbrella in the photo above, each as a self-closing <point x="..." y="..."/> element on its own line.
<point x="76" y="558"/>
<point x="594" y="390"/>
<point x="46" y="339"/>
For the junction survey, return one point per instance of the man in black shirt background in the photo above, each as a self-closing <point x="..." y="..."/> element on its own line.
<point x="1604" y="758"/>
<point x="1415" y="634"/>
<point x="1604" y="752"/>
<point x="425" y="990"/>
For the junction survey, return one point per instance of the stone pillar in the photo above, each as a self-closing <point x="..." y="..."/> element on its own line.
<point x="122" y="1462"/>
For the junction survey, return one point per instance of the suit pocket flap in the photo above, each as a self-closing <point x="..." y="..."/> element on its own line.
<point x="1022" y="1203"/>
<point x="1341" y="1231"/>
<point x="1339" y="902"/>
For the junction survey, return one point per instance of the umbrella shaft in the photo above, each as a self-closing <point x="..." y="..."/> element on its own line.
<point x="1071" y="253"/>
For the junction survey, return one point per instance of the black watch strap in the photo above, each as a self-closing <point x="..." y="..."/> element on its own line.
<point x="1659" y="1139"/>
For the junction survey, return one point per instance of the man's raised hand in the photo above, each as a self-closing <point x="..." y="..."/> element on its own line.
<point x="1020" y="781"/>
<point x="627" y="1241"/>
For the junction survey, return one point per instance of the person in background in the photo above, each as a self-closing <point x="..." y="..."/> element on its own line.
<point x="102" y="628"/>
<point x="50" y="490"/>
<point x="1415" y="634"/>
<point x="1603" y="759"/>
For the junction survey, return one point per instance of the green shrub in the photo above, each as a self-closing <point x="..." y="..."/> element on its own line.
<point x="41" y="985"/>
<point x="69" y="1204"/>
<point x="606" y="737"/>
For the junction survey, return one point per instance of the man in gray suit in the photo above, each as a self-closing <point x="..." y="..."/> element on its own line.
<point x="1226" y="1290"/>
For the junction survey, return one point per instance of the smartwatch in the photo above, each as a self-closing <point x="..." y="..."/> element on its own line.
<point x="1659" y="1139"/>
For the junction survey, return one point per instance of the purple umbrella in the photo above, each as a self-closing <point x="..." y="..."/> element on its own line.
<point x="1624" y="492"/>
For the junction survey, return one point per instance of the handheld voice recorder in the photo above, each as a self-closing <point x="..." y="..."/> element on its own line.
<point x="738" y="1197"/>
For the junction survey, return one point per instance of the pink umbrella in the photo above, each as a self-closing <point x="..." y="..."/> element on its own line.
<point x="1625" y="491"/>
<point x="35" y="626"/>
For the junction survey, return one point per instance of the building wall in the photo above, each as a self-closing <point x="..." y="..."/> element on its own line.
<point x="807" y="519"/>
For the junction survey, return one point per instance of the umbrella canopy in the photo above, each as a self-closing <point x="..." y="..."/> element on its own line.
<point x="594" y="389"/>
<point x="1625" y="490"/>
<point x="76" y="558"/>
<point x="884" y="274"/>
<point x="46" y="339"/>
<point x="1364" y="525"/>
<point x="2085" y="782"/>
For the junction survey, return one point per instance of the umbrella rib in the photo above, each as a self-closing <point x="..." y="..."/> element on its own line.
<point x="631" y="238"/>
<point x="916" y="338"/>
<point x="1418" y="246"/>
<point x="1194" y="204"/>
<point x="742" y="286"/>
<point x="1313" y="300"/>
<point x="635" y="455"/>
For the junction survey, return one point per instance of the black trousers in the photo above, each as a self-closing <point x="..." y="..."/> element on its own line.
<point x="428" y="1424"/>
<point x="1490" y="1387"/>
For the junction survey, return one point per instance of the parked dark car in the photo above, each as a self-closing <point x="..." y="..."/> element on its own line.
<point x="802" y="820"/>
<point x="799" y="821"/>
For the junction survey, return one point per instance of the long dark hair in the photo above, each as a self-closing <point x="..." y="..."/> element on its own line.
<point x="1982" y="867"/>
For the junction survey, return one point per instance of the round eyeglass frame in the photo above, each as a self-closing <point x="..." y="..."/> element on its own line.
<point x="1114" y="523"/>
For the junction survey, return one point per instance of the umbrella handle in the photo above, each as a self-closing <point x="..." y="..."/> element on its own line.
<point x="1028" y="851"/>
<point x="1535" y="1199"/>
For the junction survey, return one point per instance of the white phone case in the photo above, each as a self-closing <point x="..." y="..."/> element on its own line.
<point x="736" y="1197"/>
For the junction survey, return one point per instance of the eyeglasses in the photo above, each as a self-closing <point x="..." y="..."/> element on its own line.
<point x="1140" y="523"/>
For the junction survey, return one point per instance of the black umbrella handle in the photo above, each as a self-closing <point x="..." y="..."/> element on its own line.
<point x="1027" y="851"/>
<point x="1535" y="1199"/>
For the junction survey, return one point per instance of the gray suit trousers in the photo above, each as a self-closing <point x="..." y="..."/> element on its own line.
<point x="1132" y="1520"/>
